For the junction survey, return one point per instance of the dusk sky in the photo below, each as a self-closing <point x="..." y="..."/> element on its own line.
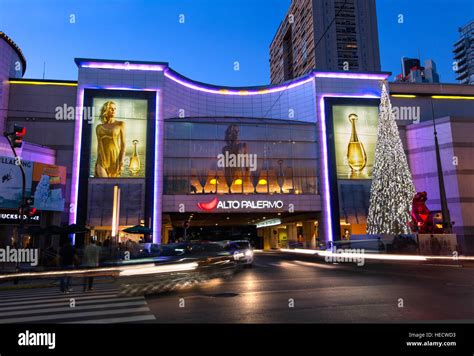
<point x="215" y="34"/>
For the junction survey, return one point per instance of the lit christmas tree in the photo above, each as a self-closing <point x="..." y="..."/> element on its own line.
<point x="392" y="188"/>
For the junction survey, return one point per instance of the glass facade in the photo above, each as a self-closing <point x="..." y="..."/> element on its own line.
<point x="239" y="156"/>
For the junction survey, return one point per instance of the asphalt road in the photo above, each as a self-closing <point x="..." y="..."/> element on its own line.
<point x="289" y="288"/>
<point x="280" y="288"/>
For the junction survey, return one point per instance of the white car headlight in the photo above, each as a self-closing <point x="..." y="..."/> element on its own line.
<point x="249" y="253"/>
<point x="238" y="255"/>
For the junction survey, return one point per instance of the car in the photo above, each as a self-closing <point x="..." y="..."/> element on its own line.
<point x="205" y="249"/>
<point x="242" y="251"/>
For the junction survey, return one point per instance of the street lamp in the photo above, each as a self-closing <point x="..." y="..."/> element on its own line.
<point x="442" y="191"/>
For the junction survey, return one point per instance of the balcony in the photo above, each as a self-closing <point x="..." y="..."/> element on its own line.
<point x="462" y="75"/>
<point x="459" y="54"/>
<point x="459" y="46"/>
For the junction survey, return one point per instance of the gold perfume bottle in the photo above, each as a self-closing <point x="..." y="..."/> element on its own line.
<point x="356" y="156"/>
<point x="134" y="166"/>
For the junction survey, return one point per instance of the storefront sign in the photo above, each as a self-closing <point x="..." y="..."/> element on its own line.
<point x="11" y="217"/>
<point x="240" y="204"/>
<point x="269" y="222"/>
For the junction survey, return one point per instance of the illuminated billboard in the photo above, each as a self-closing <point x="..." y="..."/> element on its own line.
<point x="49" y="186"/>
<point x="355" y="135"/>
<point x="118" y="140"/>
<point x="11" y="182"/>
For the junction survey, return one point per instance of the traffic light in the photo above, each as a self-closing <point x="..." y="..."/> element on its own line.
<point x="18" y="134"/>
<point x="28" y="209"/>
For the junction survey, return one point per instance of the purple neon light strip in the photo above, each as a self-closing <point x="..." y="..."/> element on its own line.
<point x="242" y="92"/>
<point x="158" y="164"/>
<point x="111" y="87"/>
<point x="327" y="196"/>
<point x="77" y="156"/>
<point x="192" y="85"/>
<point x="124" y="66"/>
<point x="78" y="142"/>
<point x="349" y="75"/>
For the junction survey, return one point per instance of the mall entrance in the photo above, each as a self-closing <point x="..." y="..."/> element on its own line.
<point x="265" y="230"/>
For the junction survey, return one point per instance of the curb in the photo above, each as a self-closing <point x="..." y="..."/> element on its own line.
<point x="26" y="286"/>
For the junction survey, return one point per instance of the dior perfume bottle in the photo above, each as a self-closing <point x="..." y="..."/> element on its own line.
<point x="356" y="156"/>
<point x="134" y="166"/>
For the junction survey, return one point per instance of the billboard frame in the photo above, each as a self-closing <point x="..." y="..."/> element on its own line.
<point x="329" y="103"/>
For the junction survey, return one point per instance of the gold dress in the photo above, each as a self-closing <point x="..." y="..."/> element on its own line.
<point x="108" y="151"/>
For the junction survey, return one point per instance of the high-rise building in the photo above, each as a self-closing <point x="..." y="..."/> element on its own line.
<point x="431" y="73"/>
<point x="464" y="54"/>
<point x="350" y="42"/>
<point x="414" y="72"/>
<point x="408" y="64"/>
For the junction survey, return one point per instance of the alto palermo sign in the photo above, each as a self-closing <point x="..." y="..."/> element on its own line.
<point x="240" y="204"/>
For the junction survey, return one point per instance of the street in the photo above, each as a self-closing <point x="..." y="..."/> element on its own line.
<point x="324" y="293"/>
<point x="279" y="288"/>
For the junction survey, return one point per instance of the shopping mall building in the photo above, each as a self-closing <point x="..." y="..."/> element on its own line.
<point x="284" y="165"/>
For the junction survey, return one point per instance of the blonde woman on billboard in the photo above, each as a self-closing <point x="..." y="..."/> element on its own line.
<point x="110" y="143"/>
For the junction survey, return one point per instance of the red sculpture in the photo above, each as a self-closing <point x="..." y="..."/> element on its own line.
<point x="423" y="221"/>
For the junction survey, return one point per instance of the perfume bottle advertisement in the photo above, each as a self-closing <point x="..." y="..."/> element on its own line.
<point x="355" y="135"/>
<point x="118" y="143"/>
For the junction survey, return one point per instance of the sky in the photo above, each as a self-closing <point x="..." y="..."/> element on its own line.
<point x="204" y="39"/>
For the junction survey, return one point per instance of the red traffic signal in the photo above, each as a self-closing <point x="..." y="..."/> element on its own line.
<point x="29" y="211"/>
<point x="18" y="133"/>
<point x="28" y="208"/>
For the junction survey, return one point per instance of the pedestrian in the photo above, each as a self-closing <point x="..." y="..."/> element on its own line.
<point x="90" y="259"/>
<point x="67" y="256"/>
<point x="107" y="242"/>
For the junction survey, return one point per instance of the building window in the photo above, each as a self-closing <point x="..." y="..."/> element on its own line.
<point x="231" y="157"/>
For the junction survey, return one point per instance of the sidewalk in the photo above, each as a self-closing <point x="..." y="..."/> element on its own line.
<point x="45" y="283"/>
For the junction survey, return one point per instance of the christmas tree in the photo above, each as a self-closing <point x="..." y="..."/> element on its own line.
<point x="392" y="188"/>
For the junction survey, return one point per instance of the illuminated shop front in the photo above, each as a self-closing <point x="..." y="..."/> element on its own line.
<point x="198" y="161"/>
<point x="286" y="165"/>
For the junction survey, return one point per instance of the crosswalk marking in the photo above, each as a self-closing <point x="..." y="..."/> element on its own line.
<point x="101" y="305"/>
<point x="55" y="304"/>
<point x="73" y="315"/>
<point x="45" y="291"/>
<point x="56" y="297"/>
<point x="115" y="320"/>
<point x="68" y="308"/>
<point x="51" y="291"/>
